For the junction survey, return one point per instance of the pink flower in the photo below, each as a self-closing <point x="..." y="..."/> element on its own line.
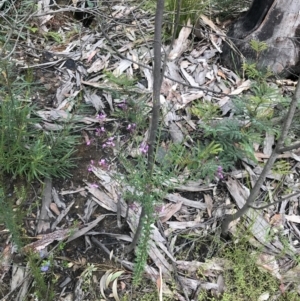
<point x="144" y="147"/>
<point x="219" y="173"/>
<point x="101" y="117"/>
<point x="93" y="185"/>
<point x="109" y="143"/>
<point x="159" y="208"/>
<point x="99" y="131"/>
<point x="88" y="142"/>
<point x="133" y="207"/>
<point x="90" y="167"/>
<point x="123" y="105"/>
<point x="103" y="164"/>
<point x="131" y="127"/>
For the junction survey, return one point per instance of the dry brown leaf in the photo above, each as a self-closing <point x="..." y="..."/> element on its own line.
<point x="5" y="261"/>
<point x="180" y="44"/>
<point x="54" y="208"/>
<point x="212" y="25"/>
<point x="220" y="73"/>
<point x="259" y="226"/>
<point x="209" y="203"/>
<point x="123" y="285"/>
<point x="277" y="220"/>
<point x="169" y="210"/>
<point x="242" y="87"/>
<point x="91" y="55"/>
<point x="293" y="218"/>
<point x="47" y="239"/>
<point x="185" y="225"/>
<point x="115" y="290"/>
<point x="268" y="144"/>
<point x="159" y="284"/>
<point x="269" y="263"/>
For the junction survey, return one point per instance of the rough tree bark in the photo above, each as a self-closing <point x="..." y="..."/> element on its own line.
<point x="276" y="22"/>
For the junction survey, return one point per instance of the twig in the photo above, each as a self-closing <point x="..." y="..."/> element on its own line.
<point x="137" y="233"/>
<point x="279" y="201"/>
<point x="157" y="80"/>
<point x="255" y="191"/>
<point x="157" y="76"/>
<point x="289" y="148"/>
<point x="103" y="248"/>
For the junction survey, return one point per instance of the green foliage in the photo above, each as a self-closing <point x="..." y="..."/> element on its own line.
<point x="234" y="139"/>
<point x="259" y="105"/>
<point x="200" y="159"/>
<point x="14" y="22"/>
<point x="205" y="111"/>
<point x="253" y="117"/>
<point x="253" y="72"/>
<point x="258" y="46"/>
<point x="25" y="150"/>
<point x="131" y="107"/>
<point x="225" y="9"/>
<point x="10" y="217"/>
<point x="87" y="277"/>
<point x="122" y="80"/>
<point x="189" y="9"/>
<point x="54" y="36"/>
<point x="133" y="110"/>
<point x="143" y="245"/>
<point x="251" y="69"/>
<point x="245" y="281"/>
<point x="282" y="167"/>
<point x="147" y="191"/>
<point x="43" y="288"/>
<point x="149" y="6"/>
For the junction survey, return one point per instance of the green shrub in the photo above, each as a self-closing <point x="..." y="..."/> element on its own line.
<point x="26" y="149"/>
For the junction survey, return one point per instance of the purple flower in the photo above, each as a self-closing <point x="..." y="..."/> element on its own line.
<point x="94" y="185"/>
<point x="45" y="266"/>
<point x="131" y="127"/>
<point x="43" y="253"/>
<point x="90" y="167"/>
<point x="133" y="207"/>
<point x="101" y="117"/>
<point x="88" y="142"/>
<point x="159" y="209"/>
<point x="109" y="143"/>
<point x="219" y="173"/>
<point x="123" y="105"/>
<point x="103" y="164"/>
<point x="144" y="147"/>
<point x="99" y="131"/>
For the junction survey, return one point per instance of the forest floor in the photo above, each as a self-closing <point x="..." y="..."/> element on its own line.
<point x="97" y="80"/>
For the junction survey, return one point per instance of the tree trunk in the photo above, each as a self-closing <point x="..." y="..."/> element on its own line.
<point x="275" y="22"/>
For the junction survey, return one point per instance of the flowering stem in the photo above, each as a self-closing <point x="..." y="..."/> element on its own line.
<point x="157" y="81"/>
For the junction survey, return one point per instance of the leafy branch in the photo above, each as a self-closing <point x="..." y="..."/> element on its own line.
<point x="278" y="149"/>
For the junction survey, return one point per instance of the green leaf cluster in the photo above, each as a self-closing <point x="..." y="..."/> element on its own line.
<point x="252" y="117"/>
<point x="27" y="150"/>
<point x="10" y="217"/>
<point x="122" y="80"/>
<point x="189" y="9"/>
<point x="205" y="111"/>
<point x="200" y="159"/>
